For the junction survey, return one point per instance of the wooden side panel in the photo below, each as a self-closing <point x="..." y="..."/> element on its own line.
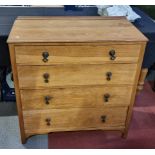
<point x="32" y="55"/>
<point x="132" y="101"/>
<point x="91" y="96"/>
<point x="73" y="75"/>
<point x="17" y="91"/>
<point x="68" y="119"/>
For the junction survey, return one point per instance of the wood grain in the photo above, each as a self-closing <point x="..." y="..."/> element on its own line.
<point x="62" y="119"/>
<point x="17" y="92"/>
<point x="91" y="96"/>
<point x="32" y="55"/>
<point x="132" y="101"/>
<point x="105" y="43"/>
<point x="72" y="75"/>
<point x="78" y="61"/>
<point x="75" y="30"/>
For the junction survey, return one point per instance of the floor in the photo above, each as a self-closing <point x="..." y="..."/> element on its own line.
<point x="9" y="136"/>
<point x="8" y="109"/>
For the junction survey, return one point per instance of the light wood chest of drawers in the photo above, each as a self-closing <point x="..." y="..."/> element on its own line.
<point x="75" y="73"/>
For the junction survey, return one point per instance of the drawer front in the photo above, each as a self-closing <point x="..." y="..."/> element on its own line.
<point x="46" y="55"/>
<point x="73" y="75"/>
<point x="76" y="118"/>
<point x="95" y="96"/>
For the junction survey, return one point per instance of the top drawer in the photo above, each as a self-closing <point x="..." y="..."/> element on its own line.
<point x="47" y="55"/>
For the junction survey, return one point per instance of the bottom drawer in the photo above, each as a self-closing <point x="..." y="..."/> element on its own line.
<point x="42" y="121"/>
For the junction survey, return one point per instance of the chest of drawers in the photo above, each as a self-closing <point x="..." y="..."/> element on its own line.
<point x="75" y="73"/>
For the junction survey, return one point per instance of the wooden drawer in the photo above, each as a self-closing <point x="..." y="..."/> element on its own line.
<point x="64" y="75"/>
<point x="73" y="119"/>
<point x="90" y="96"/>
<point x="33" y="55"/>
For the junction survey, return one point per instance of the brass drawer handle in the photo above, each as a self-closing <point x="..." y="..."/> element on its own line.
<point x="106" y="97"/>
<point x="48" y="121"/>
<point x="112" y="54"/>
<point x="45" y="56"/>
<point x="47" y="99"/>
<point x="109" y="75"/>
<point x="46" y="77"/>
<point x="103" y="118"/>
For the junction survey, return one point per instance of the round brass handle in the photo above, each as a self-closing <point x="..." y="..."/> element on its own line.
<point x="47" y="99"/>
<point x="112" y="54"/>
<point x="46" y="77"/>
<point x="109" y="75"/>
<point x="45" y="56"/>
<point x="106" y="97"/>
<point x="103" y="118"/>
<point x="48" y="121"/>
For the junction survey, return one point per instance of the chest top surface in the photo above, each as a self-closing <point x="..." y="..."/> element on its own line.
<point x="73" y="29"/>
